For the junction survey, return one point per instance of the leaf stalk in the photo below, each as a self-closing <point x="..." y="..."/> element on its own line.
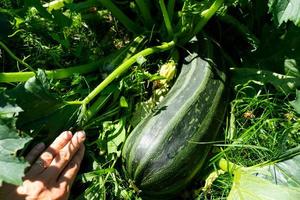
<point x="144" y="8"/>
<point x="13" y="56"/>
<point x="207" y="14"/>
<point x="10" y="77"/>
<point x="166" y="18"/>
<point x="128" y="23"/>
<point x="124" y="67"/>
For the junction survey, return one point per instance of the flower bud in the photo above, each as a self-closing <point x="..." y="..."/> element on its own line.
<point x="168" y="71"/>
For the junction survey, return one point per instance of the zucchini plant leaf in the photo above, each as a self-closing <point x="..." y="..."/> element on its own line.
<point x="285" y="10"/>
<point x="278" y="51"/>
<point x="43" y="112"/>
<point x="291" y="67"/>
<point x="116" y="138"/>
<point x="271" y="182"/>
<point x="296" y="102"/>
<point x="112" y="136"/>
<point x="281" y="82"/>
<point x="37" y="4"/>
<point x="11" y="167"/>
<point x="58" y="17"/>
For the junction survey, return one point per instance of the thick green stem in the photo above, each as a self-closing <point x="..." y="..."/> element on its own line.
<point x="74" y="102"/>
<point x="171" y="6"/>
<point x="96" y="106"/>
<point x="11" y="54"/>
<point x="116" y="12"/>
<point x="205" y="17"/>
<point x="144" y="8"/>
<point x="207" y="14"/>
<point x="132" y="49"/>
<point x="166" y="18"/>
<point x="124" y="66"/>
<point x="111" y="61"/>
<point x="10" y="77"/>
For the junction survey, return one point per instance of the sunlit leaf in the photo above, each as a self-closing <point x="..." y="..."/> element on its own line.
<point x="116" y="138"/>
<point x="37" y="4"/>
<point x="280" y="82"/>
<point x="285" y="10"/>
<point x="272" y="182"/>
<point x="11" y="167"/>
<point x="296" y="102"/>
<point x="123" y="102"/>
<point x="43" y="112"/>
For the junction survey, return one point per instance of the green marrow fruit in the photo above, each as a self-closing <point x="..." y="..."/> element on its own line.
<point x="163" y="153"/>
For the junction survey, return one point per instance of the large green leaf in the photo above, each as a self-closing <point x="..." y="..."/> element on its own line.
<point x="281" y="82"/>
<point x="58" y="17"/>
<point x="115" y="139"/>
<point x="278" y="51"/>
<point x="285" y="10"/>
<point x="11" y="167"/>
<point x="44" y="114"/>
<point x="37" y="4"/>
<point x="296" y="102"/>
<point x="272" y="182"/>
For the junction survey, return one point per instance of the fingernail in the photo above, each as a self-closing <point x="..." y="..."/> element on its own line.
<point x="67" y="134"/>
<point x="81" y="134"/>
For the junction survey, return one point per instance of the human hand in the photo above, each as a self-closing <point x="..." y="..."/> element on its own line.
<point x="52" y="172"/>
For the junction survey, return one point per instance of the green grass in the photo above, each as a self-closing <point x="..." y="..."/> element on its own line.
<point x="218" y="190"/>
<point x="261" y="126"/>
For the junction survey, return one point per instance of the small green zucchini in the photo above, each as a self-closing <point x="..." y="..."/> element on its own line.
<point x="167" y="149"/>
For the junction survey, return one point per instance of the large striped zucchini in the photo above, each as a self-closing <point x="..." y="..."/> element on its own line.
<point x="163" y="152"/>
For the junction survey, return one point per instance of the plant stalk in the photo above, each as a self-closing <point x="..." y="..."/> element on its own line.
<point x="13" y="56"/>
<point x="207" y="14"/>
<point x="124" y="67"/>
<point x="10" y="77"/>
<point x="130" y="51"/>
<point x="96" y="106"/>
<point x="111" y="61"/>
<point x="144" y="8"/>
<point x="116" y="12"/>
<point x="166" y="18"/>
<point x="205" y="17"/>
<point x="171" y="6"/>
